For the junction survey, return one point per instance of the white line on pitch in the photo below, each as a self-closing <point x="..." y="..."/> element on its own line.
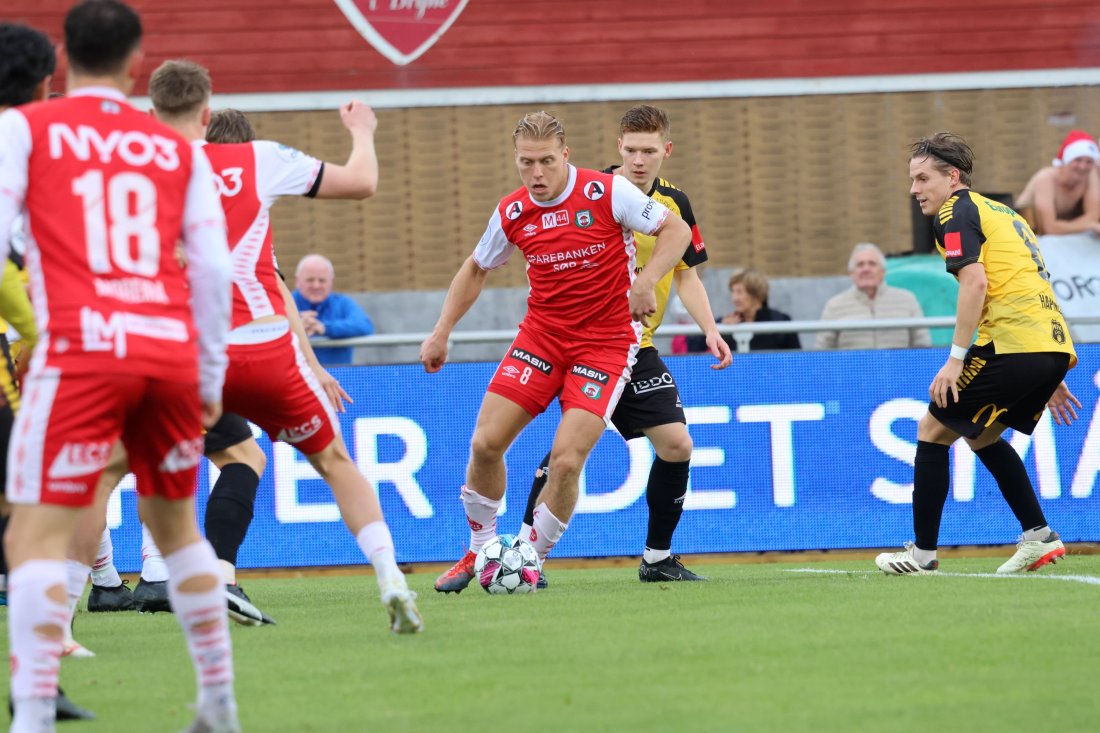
<point x="1087" y="579"/>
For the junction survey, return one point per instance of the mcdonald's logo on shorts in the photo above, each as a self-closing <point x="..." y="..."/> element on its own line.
<point x="994" y="413"/>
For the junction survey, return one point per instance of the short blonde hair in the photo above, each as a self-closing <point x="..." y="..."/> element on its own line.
<point x="539" y="126"/>
<point x="753" y="281"/>
<point x="178" y="88"/>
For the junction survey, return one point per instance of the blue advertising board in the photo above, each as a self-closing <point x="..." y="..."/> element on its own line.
<point x="793" y="451"/>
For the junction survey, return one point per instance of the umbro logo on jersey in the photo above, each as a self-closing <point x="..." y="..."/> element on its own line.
<point x="594" y="190"/>
<point x="514" y="210"/>
<point x="183" y="456"/>
<point x="79" y="459"/>
<point x="509" y="371"/>
<point x="555" y="219"/>
<point x="530" y="229"/>
<point x="301" y="432"/>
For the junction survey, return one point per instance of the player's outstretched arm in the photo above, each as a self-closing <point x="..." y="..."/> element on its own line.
<point x="465" y="288"/>
<point x="358" y="178"/>
<point x="693" y="294"/>
<point x="673" y="238"/>
<point x="1063" y="405"/>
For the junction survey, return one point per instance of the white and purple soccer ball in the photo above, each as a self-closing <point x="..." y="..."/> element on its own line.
<point x="507" y="564"/>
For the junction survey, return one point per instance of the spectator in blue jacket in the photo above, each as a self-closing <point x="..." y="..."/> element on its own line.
<point x="326" y="314"/>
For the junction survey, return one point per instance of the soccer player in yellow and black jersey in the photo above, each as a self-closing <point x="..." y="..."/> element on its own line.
<point x="1014" y="369"/>
<point x="650" y="405"/>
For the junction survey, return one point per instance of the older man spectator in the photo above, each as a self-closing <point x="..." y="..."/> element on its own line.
<point x="326" y="314"/>
<point x="870" y="298"/>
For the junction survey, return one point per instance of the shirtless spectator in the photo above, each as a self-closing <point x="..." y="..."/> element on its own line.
<point x="1064" y="198"/>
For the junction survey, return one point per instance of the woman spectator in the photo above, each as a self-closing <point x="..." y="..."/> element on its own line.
<point x="749" y="295"/>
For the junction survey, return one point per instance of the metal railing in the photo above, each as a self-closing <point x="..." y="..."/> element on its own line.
<point x="742" y="332"/>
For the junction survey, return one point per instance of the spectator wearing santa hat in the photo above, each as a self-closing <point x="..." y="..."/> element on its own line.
<point x="1064" y="198"/>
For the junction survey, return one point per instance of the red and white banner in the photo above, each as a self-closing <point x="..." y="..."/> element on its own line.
<point x="402" y="30"/>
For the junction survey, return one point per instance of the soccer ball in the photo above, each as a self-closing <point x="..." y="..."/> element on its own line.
<point x="507" y="564"/>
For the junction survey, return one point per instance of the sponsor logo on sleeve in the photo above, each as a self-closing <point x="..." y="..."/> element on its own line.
<point x="952" y="244"/>
<point x="514" y="210"/>
<point x="536" y="361"/>
<point x="288" y="153"/>
<point x="584" y="218"/>
<point x="648" y="210"/>
<point x="593" y="190"/>
<point x="589" y="373"/>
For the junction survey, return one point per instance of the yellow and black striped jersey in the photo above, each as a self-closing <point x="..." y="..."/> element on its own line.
<point x="696" y="253"/>
<point x="1020" y="313"/>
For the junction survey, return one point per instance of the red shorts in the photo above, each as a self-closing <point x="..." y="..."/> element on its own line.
<point x="63" y="437"/>
<point x="586" y="375"/>
<point x="271" y="385"/>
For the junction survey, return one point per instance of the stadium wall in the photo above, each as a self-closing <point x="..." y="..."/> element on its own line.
<point x="781" y="463"/>
<point x="791" y="119"/>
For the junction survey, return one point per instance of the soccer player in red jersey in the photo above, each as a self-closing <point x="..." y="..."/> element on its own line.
<point x="132" y="346"/>
<point x="579" y="340"/>
<point x="273" y="378"/>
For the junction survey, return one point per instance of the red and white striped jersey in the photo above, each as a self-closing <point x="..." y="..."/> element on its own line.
<point x="580" y="252"/>
<point x="250" y="177"/>
<point x="108" y="194"/>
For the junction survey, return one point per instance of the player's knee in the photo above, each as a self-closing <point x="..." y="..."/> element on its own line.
<point x="484" y="447"/>
<point x="566" y="464"/>
<point x="675" y="450"/>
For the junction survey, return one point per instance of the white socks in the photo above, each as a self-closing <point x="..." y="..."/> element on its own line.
<point x="153" y="569"/>
<point x="1036" y="535"/>
<point x="35" y="658"/>
<point x="655" y="556"/>
<point x="481" y="515"/>
<point x="546" y="532"/>
<point x="923" y="556"/>
<point x="377" y="544"/>
<point x="203" y="618"/>
<point x="76" y="578"/>
<point x="104" y="573"/>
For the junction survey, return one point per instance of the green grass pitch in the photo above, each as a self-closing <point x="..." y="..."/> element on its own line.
<point x="758" y="648"/>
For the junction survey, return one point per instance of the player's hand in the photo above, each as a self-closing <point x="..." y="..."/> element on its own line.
<point x="643" y="302"/>
<point x="433" y="353"/>
<point x="336" y="394"/>
<point x="719" y="349"/>
<point x="946" y="382"/>
<point x="1061" y="405"/>
<point x="211" y="413"/>
<point x="357" y="116"/>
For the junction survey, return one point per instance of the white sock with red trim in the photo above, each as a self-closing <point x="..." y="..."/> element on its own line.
<point x="202" y="615"/>
<point x="546" y="531"/>
<point x="481" y="515"/>
<point x="104" y="572"/>
<point x="35" y="659"/>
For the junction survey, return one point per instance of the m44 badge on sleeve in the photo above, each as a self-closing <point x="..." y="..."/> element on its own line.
<point x="402" y="30"/>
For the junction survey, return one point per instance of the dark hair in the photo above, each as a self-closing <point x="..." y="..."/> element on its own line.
<point x="100" y="35"/>
<point x="645" y="118"/>
<point x="230" y="126"/>
<point x="26" y="58"/>
<point x="178" y="88"/>
<point x="948" y="151"/>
